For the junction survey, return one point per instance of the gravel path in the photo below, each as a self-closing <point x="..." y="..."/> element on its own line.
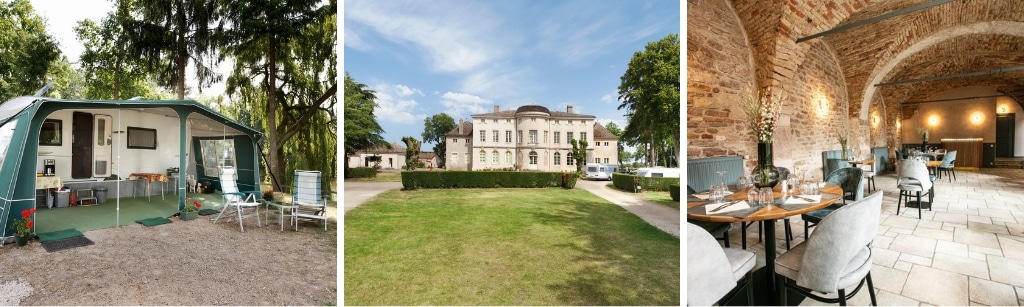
<point x="191" y="262"/>
<point x="662" y="217"/>
<point x="357" y="193"/>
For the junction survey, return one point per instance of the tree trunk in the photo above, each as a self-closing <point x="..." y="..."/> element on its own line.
<point x="276" y="161"/>
<point x="181" y="54"/>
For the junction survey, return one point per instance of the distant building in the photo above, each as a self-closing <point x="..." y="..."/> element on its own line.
<point x="393" y="158"/>
<point x="530" y="138"/>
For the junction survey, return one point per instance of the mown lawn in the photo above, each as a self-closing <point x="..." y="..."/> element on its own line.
<point x="505" y="247"/>
<point x="660" y="197"/>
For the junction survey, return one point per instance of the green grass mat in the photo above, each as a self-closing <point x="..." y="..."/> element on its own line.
<point x="153" y="221"/>
<point x="60" y="245"/>
<point x="59" y="235"/>
<point x="207" y="211"/>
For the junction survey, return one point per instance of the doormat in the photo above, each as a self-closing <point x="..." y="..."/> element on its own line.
<point x="59" y="245"/>
<point x="59" y="235"/>
<point x="207" y="211"/>
<point x="153" y="221"/>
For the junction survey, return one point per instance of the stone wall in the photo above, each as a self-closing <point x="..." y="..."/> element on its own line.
<point x="818" y="108"/>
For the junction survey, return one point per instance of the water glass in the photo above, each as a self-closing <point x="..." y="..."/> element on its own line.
<point x="766" y="196"/>
<point x="741" y="183"/>
<point x="754" y="197"/>
<point x="716" y="194"/>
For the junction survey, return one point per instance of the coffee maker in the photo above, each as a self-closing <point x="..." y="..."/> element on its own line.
<point x="49" y="167"/>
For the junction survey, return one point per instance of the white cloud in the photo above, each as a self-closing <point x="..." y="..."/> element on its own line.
<point x="609" y="98"/>
<point x="460" y="104"/>
<point x="455" y="37"/>
<point x="395" y="105"/>
<point x="500" y="83"/>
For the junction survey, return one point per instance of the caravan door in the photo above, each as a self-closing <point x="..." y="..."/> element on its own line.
<point x="102" y="152"/>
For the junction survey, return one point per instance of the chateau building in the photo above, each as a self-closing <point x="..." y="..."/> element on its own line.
<point x="528" y="138"/>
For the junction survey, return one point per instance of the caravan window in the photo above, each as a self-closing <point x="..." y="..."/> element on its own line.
<point x="217" y="154"/>
<point x="6" y="134"/>
<point x="49" y="134"/>
<point x="141" y="138"/>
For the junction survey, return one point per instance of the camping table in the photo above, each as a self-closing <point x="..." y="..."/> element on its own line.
<point x="830" y="193"/>
<point x="280" y="211"/>
<point x="149" y="177"/>
<point x="48" y="182"/>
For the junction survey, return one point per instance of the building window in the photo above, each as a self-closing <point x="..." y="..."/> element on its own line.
<point x="583" y="136"/>
<point x="558" y="159"/>
<point x="545" y="136"/>
<point x="605" y="143"/>
<point x="533" y="119"/>
<point x="455" y="140"/>
<point x="569" y="160"/>
<point x="494" y="157"/>
<point x="605" y="160"/>
<point x="533" y="136"/>
<point x="483" y="136"/>
<point x="598" y="144"/>
<point x="455" y="158"/>
<point x="557" y="137"/>
<point x="533" y="158"/>
<point x="508" y="121"/>
<point x="483" y="157"/>
<point x="508" y="157"/>
<point x="508" y="136"/>
<point x="597" y="160"/>
<point x="568" y="136"/>
<point x="569" y="122"/>
<point x="519" y="137"/>
<point x="467" y="140"/>
<point x="495" y="133"/>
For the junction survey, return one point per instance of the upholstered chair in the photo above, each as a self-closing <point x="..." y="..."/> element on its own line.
<point x="836" y="257"/>
<point x="912" y="177"/>
<point x="947" y="165"/>
<point x="715" y="274"/>
<point x="851" y="180"/>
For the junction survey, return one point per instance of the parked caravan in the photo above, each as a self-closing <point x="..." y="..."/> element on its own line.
<point x="658" y="172"/>
<point x="597" y="171"/>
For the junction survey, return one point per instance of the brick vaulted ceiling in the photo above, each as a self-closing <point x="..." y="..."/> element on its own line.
<point x="962" y="36"/>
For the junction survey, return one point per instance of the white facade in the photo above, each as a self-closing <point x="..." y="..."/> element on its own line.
<point x="528" y="138"/>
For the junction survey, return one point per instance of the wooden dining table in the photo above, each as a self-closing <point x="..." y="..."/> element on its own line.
<point x="695" y="209"/>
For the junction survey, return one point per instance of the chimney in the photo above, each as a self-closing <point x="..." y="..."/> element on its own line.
<point x="495" y="108"/>
<point x="568" y="109"/>
<point x="460" y="126"/>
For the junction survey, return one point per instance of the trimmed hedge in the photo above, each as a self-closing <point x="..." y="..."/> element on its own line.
<point x="361" y="172"/>
<point x="674" y="191"/>
<point x="628" y="182"/>
<point x="479" y="179"/>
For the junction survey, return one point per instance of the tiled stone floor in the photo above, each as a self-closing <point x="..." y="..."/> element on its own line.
<point x="968" y="250"/>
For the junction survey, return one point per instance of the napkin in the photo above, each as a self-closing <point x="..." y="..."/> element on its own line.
<point x="795" y="200"/>
<point x="706" y="195"/>
<point x="821" y="184"/>
<point x="734" y="207"/>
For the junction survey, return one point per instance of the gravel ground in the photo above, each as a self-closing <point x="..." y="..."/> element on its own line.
<point x="191" y="262"/>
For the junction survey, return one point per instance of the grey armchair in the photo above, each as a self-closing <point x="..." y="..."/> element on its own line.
<point x="836" y="257"/>
<point x="851" y="180"/>
<point x="713" y="274"/>
<point x="947" y="165"/>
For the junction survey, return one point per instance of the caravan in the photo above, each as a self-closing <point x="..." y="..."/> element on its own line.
<point x="597" y="171"/>
<point x="658" y="171"/>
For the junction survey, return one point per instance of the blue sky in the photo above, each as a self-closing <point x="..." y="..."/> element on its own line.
<point x="464" y="57"/>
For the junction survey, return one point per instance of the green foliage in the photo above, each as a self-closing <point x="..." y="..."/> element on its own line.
<point x="106" y="60"/>
<point x="579" y="154"/>
<point x="170" y="35"/>
<point x="650" y="93"/>
<point x="628" y="182"/>
<point x="361" y="172"/>
<point x="623" y="154"/>
<point x="26" y="51"/>
<point x="479" y="179"/>
<point x="434" y="130"/>
<point x="412" y="152"/>
<point x="569" y="180"/>
<point x="674" y="191"/>
<point x="361" y="128"/>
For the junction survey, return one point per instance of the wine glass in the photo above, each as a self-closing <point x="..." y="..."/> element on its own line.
<point x="721" y="178"/>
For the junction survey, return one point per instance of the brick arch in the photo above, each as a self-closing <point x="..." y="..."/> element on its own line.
<point x="884" y="69"/>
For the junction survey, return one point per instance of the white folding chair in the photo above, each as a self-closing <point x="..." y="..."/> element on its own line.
<point x="236" y="199"/>
<point x="309" y="201"/>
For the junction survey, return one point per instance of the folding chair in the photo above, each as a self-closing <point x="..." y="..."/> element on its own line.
<point x="238" y="200"/>
<point x="307" y="198"/>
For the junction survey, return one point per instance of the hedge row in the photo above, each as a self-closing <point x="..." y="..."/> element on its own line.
<point x="482" y="179"/>
<point x="361" y="172"/>
<point x="628" y="182"/>
<point x="674" y="192"/>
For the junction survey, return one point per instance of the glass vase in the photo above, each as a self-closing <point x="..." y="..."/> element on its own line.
<point x="765" y="174"/>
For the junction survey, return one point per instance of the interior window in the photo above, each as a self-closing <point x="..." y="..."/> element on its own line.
<point x="217" y="154"/>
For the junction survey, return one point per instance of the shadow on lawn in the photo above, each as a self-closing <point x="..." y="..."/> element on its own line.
<point x="625" y="260"/>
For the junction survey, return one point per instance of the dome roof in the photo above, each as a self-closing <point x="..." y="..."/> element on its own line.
<point x="532" y="108"/>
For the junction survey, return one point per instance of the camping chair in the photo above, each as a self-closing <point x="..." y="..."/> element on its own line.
<point x="307" y="198"/>
<point x="238" y="200"/>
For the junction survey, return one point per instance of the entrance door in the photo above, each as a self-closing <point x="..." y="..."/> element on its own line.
<point x="1004" y="135"/>
<point x="102" y="152"/>
<point x="81" y="145"/>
